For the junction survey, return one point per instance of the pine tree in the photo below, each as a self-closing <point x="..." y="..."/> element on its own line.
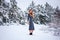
<point x="4" y="10"/>
<point x="42" y="15"/>
<point x="57" y="17"/>
<point x="49" y="10"/>
<point x="32" y="5"/>
<point x="13" y="10"/>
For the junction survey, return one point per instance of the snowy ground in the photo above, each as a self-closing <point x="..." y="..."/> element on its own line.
<point x="20" y="32"/>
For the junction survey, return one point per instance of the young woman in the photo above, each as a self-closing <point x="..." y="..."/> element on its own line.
<point x="30" y="20"/>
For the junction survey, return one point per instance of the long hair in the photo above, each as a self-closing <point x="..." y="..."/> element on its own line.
<point x="31" y="12"/>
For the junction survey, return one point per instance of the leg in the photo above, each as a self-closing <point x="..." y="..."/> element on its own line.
<point x="31" y="31"/>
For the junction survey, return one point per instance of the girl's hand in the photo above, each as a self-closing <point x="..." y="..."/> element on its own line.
<point x="32" y="15"/>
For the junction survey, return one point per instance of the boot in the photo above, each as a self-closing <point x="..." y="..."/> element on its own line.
<point x="30" y="34"/>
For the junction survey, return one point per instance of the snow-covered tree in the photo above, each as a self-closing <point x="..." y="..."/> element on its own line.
<point x="4" y="10"/>
<point x="15" y="13"/>
<point x="12" y="11"/>
<point x="55" y="21"/>
<point x="49" y="10"/>
<point x="31" y="6"/>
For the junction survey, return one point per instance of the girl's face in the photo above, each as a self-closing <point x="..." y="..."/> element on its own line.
<point x="30" y="11"/>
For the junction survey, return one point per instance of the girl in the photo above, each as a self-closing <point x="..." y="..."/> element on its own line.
<point x="30" y="20"/>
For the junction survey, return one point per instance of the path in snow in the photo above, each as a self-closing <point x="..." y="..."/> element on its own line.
<point x="20" y="32"/>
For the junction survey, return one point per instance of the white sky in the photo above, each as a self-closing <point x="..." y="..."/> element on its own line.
<point x="23" y="4"/>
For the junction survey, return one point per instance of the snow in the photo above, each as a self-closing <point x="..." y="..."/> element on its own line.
<point x="20" y="32"/>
